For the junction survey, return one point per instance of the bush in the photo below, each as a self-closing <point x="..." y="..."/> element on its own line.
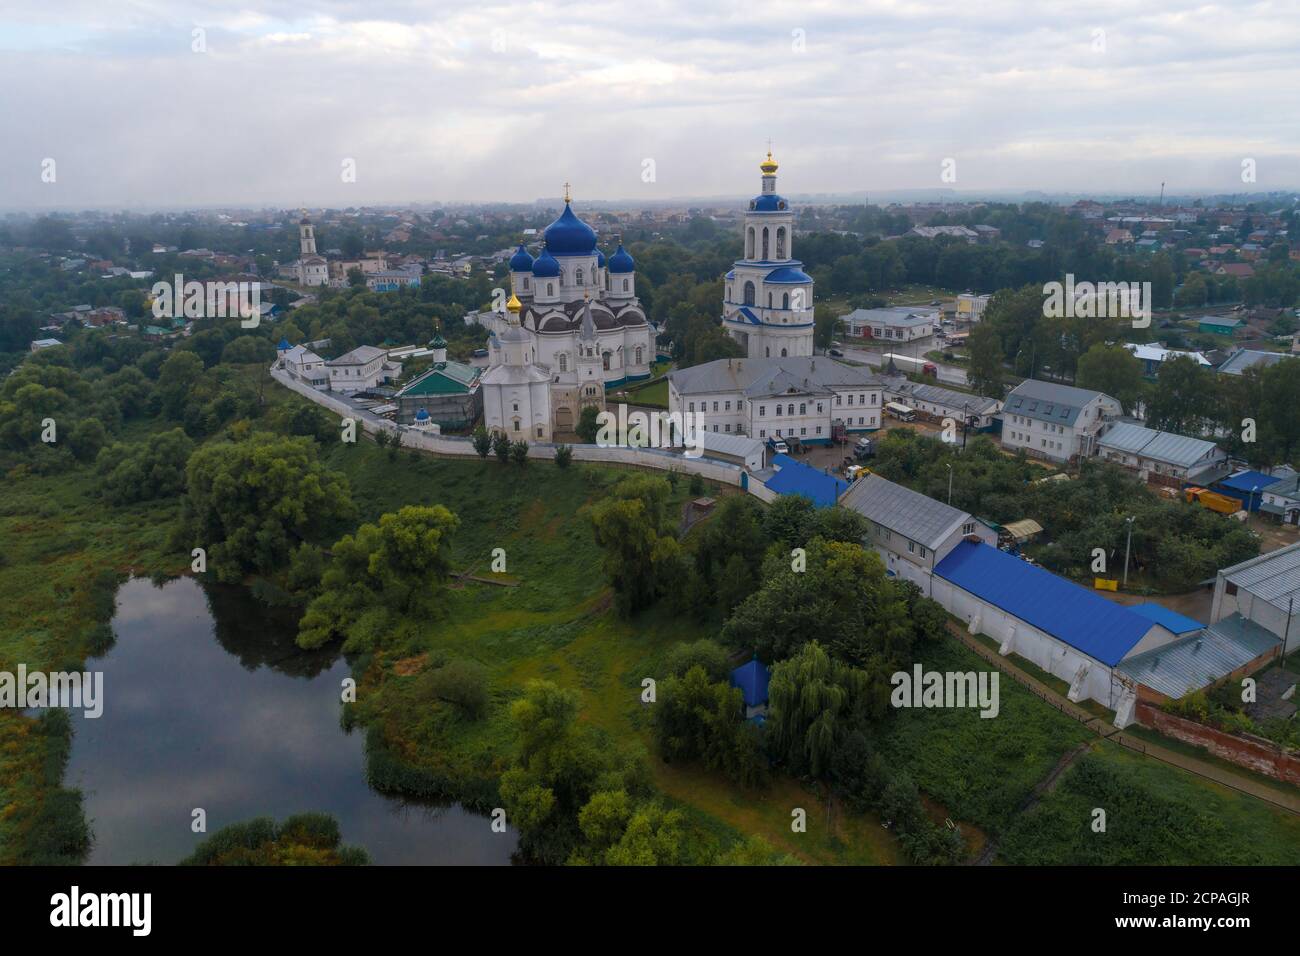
<point x="563" y="456"/>
<point x="461" y="683"/>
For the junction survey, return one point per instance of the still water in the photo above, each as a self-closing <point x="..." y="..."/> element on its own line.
<point x="209" y="703"/>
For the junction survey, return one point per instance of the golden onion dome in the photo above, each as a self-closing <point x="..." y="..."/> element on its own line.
<point x="514" y="305"/>
<point x="768" y="166"/>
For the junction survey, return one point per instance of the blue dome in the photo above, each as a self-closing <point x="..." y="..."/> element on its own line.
<point x="788" y="274"/>
<point x="600" y="259"/>
<point x="768" y="202"/>
<point x="570" y="236"/>
<point x="521" y="261"/>
<point x="620" y="261"/>
<point x="422" y="415"/>
<point x="284" y="344"/>
<point x="545" y="266"/>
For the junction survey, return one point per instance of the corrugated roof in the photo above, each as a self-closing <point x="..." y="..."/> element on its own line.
<point x="1248" y="481"/>
<point x="1048" y="402"/>
<point x="1103" y="630"/>
<point x="1243" y="359"/>
<point x="1165" y="447"/>
<point x="738" y="445"/>
<point x="795" y="478"/>
<point x="1272" y="577"/>
<point x="1198" y="660"/>
<point x="1170" y="620"/>
<point x="904" y="511"/>
<point x="976" y="404"/>
<point x="728" y="375"/>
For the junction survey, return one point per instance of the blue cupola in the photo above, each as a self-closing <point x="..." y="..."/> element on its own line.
<point x="284" y="345"/>
<point x="620" y="261"/>
<point x="569" y="235"/>
<point x="545" y="266"/>
<point x="422" y="415"/>
<point x="521" y="261"/>
<point x="600" y="259"/>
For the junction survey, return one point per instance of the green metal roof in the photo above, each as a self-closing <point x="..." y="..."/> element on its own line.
<point x="445" y="378"/>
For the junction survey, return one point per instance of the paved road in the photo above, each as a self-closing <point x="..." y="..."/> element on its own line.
<point x="949" y="374"/>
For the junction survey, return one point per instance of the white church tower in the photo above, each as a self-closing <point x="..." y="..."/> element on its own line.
<point x="311" y="268"/>
<point x="767" y="298"/>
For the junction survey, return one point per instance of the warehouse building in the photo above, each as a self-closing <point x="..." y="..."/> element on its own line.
<point x="1160" y="457"/>
<point x="1264" y="591"/>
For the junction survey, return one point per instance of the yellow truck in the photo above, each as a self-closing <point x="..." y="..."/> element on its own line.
<point x="1223" y="504"/>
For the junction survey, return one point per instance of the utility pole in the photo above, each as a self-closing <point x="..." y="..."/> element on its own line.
<point x="1127" y="541"/>
<point x="950" y="483"/>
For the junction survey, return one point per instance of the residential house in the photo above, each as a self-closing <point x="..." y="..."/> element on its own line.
<point x="1055" y="422"/>
<point x="891" y="324"/>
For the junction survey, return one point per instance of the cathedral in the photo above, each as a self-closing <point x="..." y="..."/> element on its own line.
<point x="572" y="329"/>
<point x="768" y="299"/>
<point x="309" y="269"/>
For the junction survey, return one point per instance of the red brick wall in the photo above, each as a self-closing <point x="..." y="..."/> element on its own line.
<point x="1260" y="757"/>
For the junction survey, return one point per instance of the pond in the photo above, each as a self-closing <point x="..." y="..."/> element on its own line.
<point x="209" y="703"/>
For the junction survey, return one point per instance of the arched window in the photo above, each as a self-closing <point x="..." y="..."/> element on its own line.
<point x="783" y="353"/>
<point x="550" y="288"/>
<point x="789" y="409"/>
<point x="769" y="300"/>
<point x="525" y="283"/>
<point x="604" y="357"/>
<point x="749" y="243"/>
<point x="765" y="243"/>
<point x="785" y="301"/>
<point x="780" y="242"/>
<point x="579" y="277"/>
<point x="767" y="353"/>
<point x="749" y="293"/>
<point x="624" y="285"/>
<point x="803" y="408"/>
<point x="564" y="362"/>
<point x="638" y="355"/>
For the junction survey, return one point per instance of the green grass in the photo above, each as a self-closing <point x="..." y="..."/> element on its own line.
<point x="980" y="769"/>
<point x="1155" y="815"/>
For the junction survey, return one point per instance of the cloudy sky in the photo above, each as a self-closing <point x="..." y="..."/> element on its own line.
<point x="175" y="103"/>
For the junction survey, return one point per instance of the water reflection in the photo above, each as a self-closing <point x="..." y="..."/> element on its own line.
<point x="244" y="725"/>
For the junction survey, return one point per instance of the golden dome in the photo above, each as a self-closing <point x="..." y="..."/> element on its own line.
<point x="514" y="305"/>
<point x="768" y="166"/>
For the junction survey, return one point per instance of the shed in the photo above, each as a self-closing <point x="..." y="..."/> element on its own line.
<point x="1024" y="529"/>
<point x="752" y="678"/>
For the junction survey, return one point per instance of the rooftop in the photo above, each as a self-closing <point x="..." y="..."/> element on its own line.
<point x="1157" y="445"/>
<point x="766" y="376"/>
<point x="904" y="511"/>
<point x="1198" y="660"/>
<point x="1103" y="630"/>
<point x="795" y="478"/>
<point x="1272" y="577"/>
<point x="1048" y="401"/>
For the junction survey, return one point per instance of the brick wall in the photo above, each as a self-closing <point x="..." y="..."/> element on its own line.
<point x="1260" y="756"/>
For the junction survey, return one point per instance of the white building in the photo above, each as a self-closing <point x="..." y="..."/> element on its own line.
<point x="361" y="369"/>
<point x="970" y="307"/>
<point x="936" y="403"/>
<point x="516" y="390"/>
<point x="910" y="531"/>
<point x="767" y="297"/>
<point x="304" y="365"/>
<point x="310" y="269"/>
<point x="891" y="324"/>
<point x="1055" y="422"/>
<point x="585" y="329"/>
<point x="1265" y="591"/>
<point x="805" y="398"/>
<point x="1156" y="455"/>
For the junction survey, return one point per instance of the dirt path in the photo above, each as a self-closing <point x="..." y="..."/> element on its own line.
<point x="1277" y="797"/>
<point x="1043" y="787"/>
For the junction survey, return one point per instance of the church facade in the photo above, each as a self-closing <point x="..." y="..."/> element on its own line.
<point x="310" y="269"/>
<point x="767" y="298"/>
<point x="572" y="329"/>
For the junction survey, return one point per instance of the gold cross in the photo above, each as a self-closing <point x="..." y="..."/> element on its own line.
<point x="566" y="192"/>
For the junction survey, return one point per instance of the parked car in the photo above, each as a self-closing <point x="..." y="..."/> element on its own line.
<point x="836" y="353"/>
<point x="777" y="447"/>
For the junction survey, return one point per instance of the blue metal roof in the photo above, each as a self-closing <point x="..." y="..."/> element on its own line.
<point x="752" y="678"/>
<point x="749" y="316"/>
<point x="788" y="274"/>
<point x="621" y="260"/>
<point x="1169" y="620"/>
<point x="795" y="478"/>
<point x="1103" y="630"/>
<point x="768" y="202"/>
<point x="1247" y="480"/>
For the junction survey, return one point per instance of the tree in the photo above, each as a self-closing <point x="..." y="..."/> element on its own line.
<point x="985" y="373"/>
<point x="249" y="503"/>
<point x="627" y="525"/>
<point x="145" y="471"/>
<point x="176" y="378"/>
<point x="563" y="456"/>
<point x="1183" y="399"/>
<point x="501" y="447"/>
<point x="482" y="442"/>
<point x="1114" y="370"/>
<point x="811" y="704"/>
<point x="519" y="452"/>
<point x="461" y="683"/>
<point x="698" y="718"/>
<point x="588" y="426"/>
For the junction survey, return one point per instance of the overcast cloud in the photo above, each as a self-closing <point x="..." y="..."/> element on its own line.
<point x="505" y="101"/>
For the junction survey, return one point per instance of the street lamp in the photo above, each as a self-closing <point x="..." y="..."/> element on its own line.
<point x="1127" y="541"/>
<point x="950" y="483"/>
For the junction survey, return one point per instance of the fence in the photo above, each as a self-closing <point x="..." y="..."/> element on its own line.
<point x="654" y="459"/>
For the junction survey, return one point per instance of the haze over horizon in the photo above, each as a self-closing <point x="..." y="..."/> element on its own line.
<point x="665" y="100"/>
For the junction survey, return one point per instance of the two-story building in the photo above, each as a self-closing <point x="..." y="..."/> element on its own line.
<point x="363" y="368"/>
<point x="802" y="397"/>
<point x="1055" y="422"/>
